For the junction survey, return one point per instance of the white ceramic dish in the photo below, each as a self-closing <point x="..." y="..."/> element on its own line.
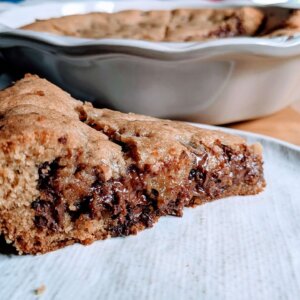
<point x="217" y="82"/>
<point x="235" y="248"/>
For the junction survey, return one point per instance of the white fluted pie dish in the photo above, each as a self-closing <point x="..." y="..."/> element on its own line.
<point x="216" y="82"/>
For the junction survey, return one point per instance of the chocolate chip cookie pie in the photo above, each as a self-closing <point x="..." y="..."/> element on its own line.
<point x="177" y="25"/>
<point x="71" y="173"/>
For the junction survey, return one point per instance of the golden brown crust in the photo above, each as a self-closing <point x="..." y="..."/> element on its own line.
<point x="177" y="25"/>
<point x="197" y="25"/>
<point x="72" y="173"/>
<point x="132" y="24"/>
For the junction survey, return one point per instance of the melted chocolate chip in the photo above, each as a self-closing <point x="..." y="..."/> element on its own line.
<point x="126" y="204"/>
<point x="46" y="173"/>
<point x="63" y="140"/>
<point x="48" y="214"/>
<point x="40" y="93"/>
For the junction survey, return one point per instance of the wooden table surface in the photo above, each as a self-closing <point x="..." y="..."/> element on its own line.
<point x="284" y="125"/>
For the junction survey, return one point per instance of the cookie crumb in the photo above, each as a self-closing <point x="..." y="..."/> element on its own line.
<point x="40" y="290"/>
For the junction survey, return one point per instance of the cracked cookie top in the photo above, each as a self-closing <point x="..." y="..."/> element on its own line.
<point x="176" y="25"/>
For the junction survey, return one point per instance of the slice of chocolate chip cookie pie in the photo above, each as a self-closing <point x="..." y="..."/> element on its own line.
<point x="73" y="173"/>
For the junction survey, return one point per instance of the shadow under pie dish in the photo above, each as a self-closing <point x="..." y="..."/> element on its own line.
<point x="71" y="173"/>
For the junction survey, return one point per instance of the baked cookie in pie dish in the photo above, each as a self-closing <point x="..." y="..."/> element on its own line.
<point x="162" y="25"/>
<point x="179" y="25"/>
<point x="71" y="173"/>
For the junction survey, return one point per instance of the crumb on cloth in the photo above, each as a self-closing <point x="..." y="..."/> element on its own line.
<point x="40" y="290"/>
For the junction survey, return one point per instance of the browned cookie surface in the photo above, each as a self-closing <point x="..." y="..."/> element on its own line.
<point x="177" y="25"/>
<point x="289" y="27"/>
<point x="72" y="173"/>
<point x="196" y="25"/>
<point x="131" y="24"/>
